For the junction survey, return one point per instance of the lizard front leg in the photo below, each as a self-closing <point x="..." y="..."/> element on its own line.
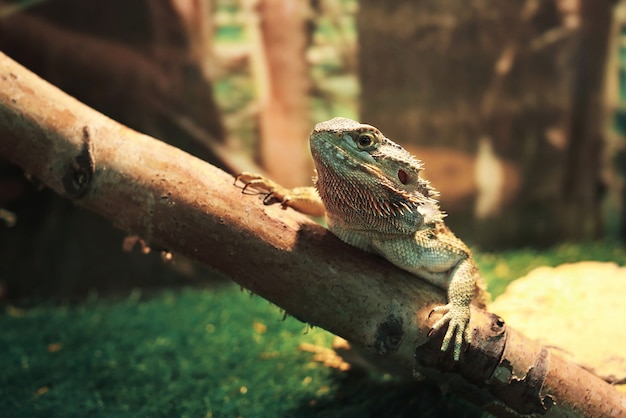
<point x="457" y="311"/>
<point x="303" y="199"/>
<point x="443" y="261"/>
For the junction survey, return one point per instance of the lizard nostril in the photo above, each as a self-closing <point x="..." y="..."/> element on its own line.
<point x="403" y="176"/>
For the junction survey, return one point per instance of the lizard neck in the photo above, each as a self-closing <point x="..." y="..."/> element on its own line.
<point x="356" y="205"/>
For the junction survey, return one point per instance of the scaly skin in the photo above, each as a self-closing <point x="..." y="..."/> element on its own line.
<point x="375" y="200"/>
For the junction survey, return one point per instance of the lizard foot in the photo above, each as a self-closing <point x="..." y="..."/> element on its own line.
<point x="303" y="199"/>
<point x="273" y="191"/>
<point x="457" y="317"/>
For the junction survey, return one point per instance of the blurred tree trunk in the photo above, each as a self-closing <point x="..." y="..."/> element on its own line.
<point x="283" y="88"/>
<point x="586" y="125"/>
<point x="514" y="88"/>
<point x="142" y="63"/>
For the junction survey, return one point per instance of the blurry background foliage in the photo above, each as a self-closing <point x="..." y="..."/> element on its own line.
<point x="517" y="109"/>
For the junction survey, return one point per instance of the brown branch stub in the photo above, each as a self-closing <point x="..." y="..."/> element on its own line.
<point x="182" y="204"/>
<point x="389" y="334"/>
<point x="8" y="217"/>
<point x="80" y="170"/>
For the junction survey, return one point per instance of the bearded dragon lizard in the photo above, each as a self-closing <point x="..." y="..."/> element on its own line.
<point x="374" y="199"/>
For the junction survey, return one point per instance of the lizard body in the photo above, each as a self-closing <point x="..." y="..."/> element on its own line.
<point x="373" y="197"/>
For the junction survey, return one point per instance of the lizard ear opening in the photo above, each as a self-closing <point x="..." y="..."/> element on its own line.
<point x="403" y="176"/>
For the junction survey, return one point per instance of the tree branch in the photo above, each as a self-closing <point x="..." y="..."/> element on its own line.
<point x="179" y="203"/>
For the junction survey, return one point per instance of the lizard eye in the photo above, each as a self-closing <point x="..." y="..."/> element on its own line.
<point x="365" y="140"/>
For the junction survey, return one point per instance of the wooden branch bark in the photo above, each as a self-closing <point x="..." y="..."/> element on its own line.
<point x="179" y="203"/>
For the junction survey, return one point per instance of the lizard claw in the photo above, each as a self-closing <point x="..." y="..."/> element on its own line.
<point x="302" y="199"/>
<point x="273" y="192"/>
<point x="254" y="181"/>
<point x="457" y="317"/>
<point x="271" y="198"/>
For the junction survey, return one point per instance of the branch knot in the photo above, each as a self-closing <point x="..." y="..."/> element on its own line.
<point x="80" y="171"/>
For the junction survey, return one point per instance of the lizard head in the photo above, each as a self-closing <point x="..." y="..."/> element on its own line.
<point x="361" y="170"/>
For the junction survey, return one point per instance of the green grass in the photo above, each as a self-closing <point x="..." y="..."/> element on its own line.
<point x="189" y="353"/>
<point x="210" y="353"/>
<point x="185" y="353"/>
